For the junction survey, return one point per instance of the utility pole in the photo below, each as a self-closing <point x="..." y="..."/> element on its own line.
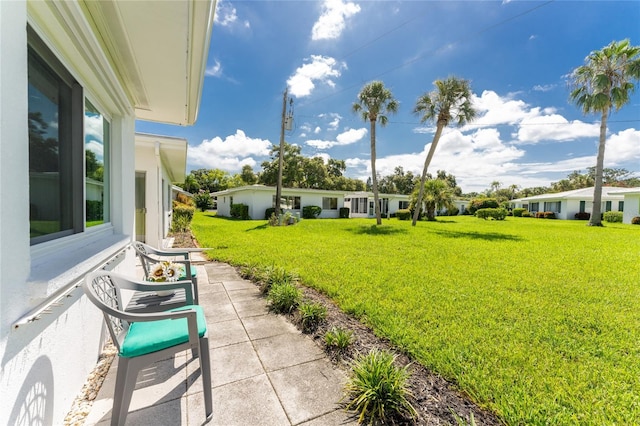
<point x="280" y="157"/>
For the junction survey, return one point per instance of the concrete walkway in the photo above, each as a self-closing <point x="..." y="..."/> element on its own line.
<point x="264" y="371"/>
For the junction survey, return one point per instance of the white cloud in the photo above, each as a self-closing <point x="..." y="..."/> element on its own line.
<point x="97" y="147"/>
<point x="229" y="154"/>
<point x="348" y="137"/>
<point x="214" y="70"/>
<point x="316" y="69"/>
<point x="544" y="87"/>
<point x="93" y="126"/>
<point x="317" y="130"/>
<point x="622" y="147"/>
<point x="554" y="127"/>
<point x="333" y="19"/>
<point x="227" y="16"/>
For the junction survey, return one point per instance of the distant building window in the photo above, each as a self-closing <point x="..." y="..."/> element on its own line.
<point x="583" y="206"/>
<point x="359" y="205"/>
<point x="607" y="206"/>
<point x="403" y="205"/>
<point x="535" y="207"/>
<point x="620" y="206"/>
<point x="553" y="206"/>
<point x="329" y="203"/>
<point x="289" y="202"/>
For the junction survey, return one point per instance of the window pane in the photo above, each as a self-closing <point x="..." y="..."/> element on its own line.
<point x="50" y="168"/>
<point x="96" y="149"/>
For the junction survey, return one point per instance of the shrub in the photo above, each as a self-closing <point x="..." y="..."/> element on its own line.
<point x="497" y="214"/>
<point x="526" y="214"/>
<point x="95" y="210"/>
<point x="184" y="199"/>
<point x="269" y="212"/>
<point x="540" y="215"/>
<point x="582" y="216"/>
<point x="240" y="211"/>
<point x="482" y="203"/>
<point x="311" y="212"/>
<point x="453" y="211"/>
<point x="272" y="275"/>
<point x="517" y="212"/>
<point x="377" y="389"/>
<point x="182" y="215"/>
<point x="613" y="217"/>
<point x="344" y="213"/>
<point x="403" y="214"/>
<point x="549" y="215"/>
<point x="338" y="339"/>
<point x="635" y="220"/>
<point x="203" y="201"/>
<point x="311" y="315"/>
<point x="284" y="297"/>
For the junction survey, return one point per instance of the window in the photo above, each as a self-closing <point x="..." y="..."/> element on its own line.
<point x="535" y="207"/>
<point x="55" y="146"/>
<point x="553" y="206"/>
<point x="69" y="143"/>
<point x="607" y="206"/>
<point x="620" y="206"/>
<point x="403" y="205"/>
<point x="583" y="206"/>
<point x="329" y="203"/>
<point x="289" y="202"/>
<point x="96" y="151"/>
<point x="359" y="205"/>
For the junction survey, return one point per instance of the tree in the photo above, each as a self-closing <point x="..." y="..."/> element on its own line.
<point x="191" y="184"/>
<point x="247" y="175"/>
<point x="374" y="103"/>
<point x="603" y="84"/>
<point x="437" y="195"/>
<point x="451" y="101"/>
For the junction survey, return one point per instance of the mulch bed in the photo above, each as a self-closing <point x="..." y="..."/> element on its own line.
<point x="435" y="399"/>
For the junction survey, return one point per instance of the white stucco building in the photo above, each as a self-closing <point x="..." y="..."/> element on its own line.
<point x="566" y="204"/>
<point x="259" y="198"/>
<point x="74" y="77"/>
<point x="631" y="197"/>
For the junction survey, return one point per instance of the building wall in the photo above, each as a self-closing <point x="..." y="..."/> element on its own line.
<point x="631" y="207"/>
<point x="44" y="363"/>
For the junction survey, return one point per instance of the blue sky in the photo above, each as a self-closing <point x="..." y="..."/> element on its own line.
<point x="516" y="54"/>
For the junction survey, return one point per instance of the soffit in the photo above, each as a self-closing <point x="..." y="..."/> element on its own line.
<point x="159" y="50"/>
<point x="172" y="152"/>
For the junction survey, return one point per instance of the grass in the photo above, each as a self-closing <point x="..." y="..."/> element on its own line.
<point x="537" y="320"/>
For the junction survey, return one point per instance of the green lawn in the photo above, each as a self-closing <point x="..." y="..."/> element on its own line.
<point x="538" y="320"/>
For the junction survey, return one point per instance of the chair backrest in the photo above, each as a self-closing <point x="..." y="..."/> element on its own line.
<point x="150" y="256"/>
<point x="101" y="287"/>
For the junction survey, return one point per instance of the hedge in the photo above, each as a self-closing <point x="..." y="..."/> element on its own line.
<point x="311" y="212"/>
<point x="497" y="214"/>
<point x="613" y="217"/>
<point x="240" y="211"/>
<point x="582" y="216"/>
<point x="518" y="211"/>
<point x="403" y="214"/>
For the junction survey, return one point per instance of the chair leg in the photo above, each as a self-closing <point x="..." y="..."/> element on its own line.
<point x="194" y="280"/>
<point x="205" y="368"/>
<point x="125" y="383"/>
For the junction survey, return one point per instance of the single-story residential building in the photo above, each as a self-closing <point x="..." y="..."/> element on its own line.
<point x="259" y="198"/>
<point x="566" y="204"/>
<point x="160" y="160"/>
<point x="631" y="202"/>
<point x="75" y="77"/>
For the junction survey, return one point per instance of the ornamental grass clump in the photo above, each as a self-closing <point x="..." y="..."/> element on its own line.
<point x="377" y="388"/>
<point x="311" y="315"/>
<point x="338" y="340"/>
<point x="275" y="275"/>
<point x="284" y="298"/>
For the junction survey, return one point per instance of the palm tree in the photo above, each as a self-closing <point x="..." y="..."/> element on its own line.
<point x="438" y="195"/>
<point x="374" y="102"/>
<point x="451" y="101"/>
<point x="602" y="84"/>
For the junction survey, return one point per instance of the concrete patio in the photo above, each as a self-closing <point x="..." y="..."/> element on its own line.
<point x="264" y="371"/>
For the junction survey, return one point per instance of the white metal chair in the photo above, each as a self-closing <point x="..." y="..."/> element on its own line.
<point x="149" y="256"/>
<point x="144" y="338"/>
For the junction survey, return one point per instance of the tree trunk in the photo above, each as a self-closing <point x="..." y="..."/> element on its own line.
<point x="374" y="178"/>
<point x="427" y="161"/>
<point x="595" y="219"/>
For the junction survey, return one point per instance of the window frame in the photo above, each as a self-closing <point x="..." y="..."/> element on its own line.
<point x="329" y="203"/>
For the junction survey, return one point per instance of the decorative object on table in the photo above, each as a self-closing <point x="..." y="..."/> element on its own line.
<point x="166" y="271"/>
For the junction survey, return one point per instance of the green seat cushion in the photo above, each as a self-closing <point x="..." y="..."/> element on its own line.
<point x="193" y="274"/>
<point x="152" y="336"/>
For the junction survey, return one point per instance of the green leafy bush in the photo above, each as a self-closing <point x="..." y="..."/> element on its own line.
<point x="311" y="315"/>
<point x="378" y="389"/>
<point x="482" y="203"/>
<point x="613" y="217"/>
<point x="517" y="212"/>
<point x="526" y="214"/>
<point x="635" y="220"/>
<point x="453" y="211"/>
<point x="269" y="212"/>
<point x="344" y="213"/>
<point x="182" y="216"/>
<point x="95" y="210"/>
<point x="272" y="275"/>
<point x="240" y="211"/>
<point x="549" y="215"/>
<point x="338" y="339"/>
<point x="582" y="216"/>
<point x="403" y="214"/>
<point x="311" y="212"/>
<point x="203" y="201"/>
<point x="491" y="213"/>
<point x="284" y="297"/>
